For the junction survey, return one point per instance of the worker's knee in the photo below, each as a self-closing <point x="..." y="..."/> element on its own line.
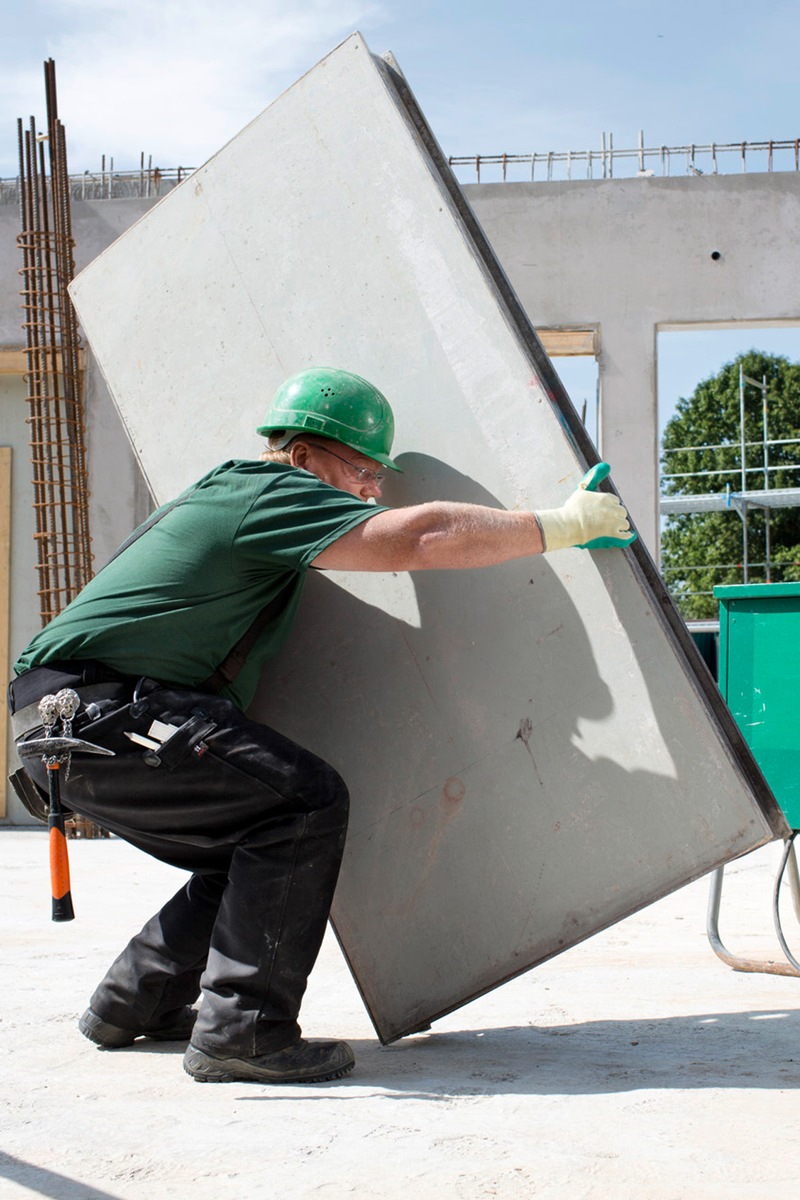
<point x="333" y="793"/>
<point x="317" y="786"/>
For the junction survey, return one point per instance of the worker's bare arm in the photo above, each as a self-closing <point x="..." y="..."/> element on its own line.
<point x="440" y="535"/>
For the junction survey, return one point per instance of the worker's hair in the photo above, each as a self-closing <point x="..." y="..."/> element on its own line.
<point x="278" y="456"/>
<point x="279" y="444"/>
<point x="277" y="447"/>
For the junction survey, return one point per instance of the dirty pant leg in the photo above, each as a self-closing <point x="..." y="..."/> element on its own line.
<point x="251" y="806"/>
<point x="158" y="972"/>
<point x="268" y="932"/>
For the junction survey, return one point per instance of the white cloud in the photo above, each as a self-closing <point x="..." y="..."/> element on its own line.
<point x="168" y="78"/>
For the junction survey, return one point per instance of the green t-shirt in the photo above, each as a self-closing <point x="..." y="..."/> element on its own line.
<point x="175" y="602"/>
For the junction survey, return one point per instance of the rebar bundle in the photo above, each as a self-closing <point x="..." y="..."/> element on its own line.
<point x="54" y="382"/>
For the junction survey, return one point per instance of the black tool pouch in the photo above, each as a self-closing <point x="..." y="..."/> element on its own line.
<point x="32" y="797"/>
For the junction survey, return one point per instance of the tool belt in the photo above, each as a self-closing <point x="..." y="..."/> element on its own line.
<point x="89" y="679"/>
<point x="28" y="718"/>
<point x="92" y="680"/>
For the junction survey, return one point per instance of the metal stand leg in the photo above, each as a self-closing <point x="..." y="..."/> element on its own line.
<point x="794" y="879"/>
<point x="756" y="966"/>
<point x="788" y="857"/>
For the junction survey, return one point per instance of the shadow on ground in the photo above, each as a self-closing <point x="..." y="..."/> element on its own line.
<point x="757" y="1049"/>
<point x="44" y="1182"/>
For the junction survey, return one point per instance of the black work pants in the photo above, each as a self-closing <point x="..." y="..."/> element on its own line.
<point x="261" y="825"/>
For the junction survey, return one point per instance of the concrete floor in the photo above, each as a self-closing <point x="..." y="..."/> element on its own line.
<point x="636" y="1065"/>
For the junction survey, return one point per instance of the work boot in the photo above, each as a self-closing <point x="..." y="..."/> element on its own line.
<point x="302" y="1062"/>
<point x="175" y="1027"/>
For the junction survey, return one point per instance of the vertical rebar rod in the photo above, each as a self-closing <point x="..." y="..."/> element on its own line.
<point x="71" y="347"/>
<point x="74" y="376"/>
<point x="53" y="374"/>
<point x="62" y="527"/>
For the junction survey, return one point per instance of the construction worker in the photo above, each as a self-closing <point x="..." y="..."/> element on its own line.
<point x="165" y="647"/>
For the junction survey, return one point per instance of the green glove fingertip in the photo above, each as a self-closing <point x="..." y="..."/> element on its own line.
<point x="594" y="477"/>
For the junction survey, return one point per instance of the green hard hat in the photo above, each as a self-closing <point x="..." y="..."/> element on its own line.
<point x="334" y="404"/>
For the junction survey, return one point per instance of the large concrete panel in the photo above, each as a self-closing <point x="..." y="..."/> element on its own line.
<point x="534" y="750"/>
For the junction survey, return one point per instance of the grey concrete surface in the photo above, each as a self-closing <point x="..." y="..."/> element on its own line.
<point x="634" y="1066"/>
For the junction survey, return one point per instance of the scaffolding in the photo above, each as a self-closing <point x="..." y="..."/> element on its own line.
<point x="609" y="161"/>
<point x="745" y="498"/>
<point x="145" y="183"/>
<point x="606" y="162"/>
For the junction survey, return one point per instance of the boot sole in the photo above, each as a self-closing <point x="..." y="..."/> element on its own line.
<point x="113" y="1037"/>
<point x="205" y="1069"/>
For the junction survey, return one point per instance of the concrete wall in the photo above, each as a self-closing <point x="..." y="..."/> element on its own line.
<point x="631" y="256"/>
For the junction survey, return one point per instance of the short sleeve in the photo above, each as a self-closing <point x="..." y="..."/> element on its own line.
<point x="295" y="517"/>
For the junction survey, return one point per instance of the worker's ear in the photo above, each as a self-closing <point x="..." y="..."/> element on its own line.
<point x="298" y="453"/>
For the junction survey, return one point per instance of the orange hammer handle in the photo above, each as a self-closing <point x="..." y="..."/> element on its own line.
<point x="62" y="909"/>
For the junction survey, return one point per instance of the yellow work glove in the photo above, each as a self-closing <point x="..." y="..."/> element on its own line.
<point x="589" y="520"/>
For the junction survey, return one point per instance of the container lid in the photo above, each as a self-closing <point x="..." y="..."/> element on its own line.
<point x="738" y="591"/>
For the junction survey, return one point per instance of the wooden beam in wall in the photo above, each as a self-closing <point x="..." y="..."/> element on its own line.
<point x="15" y="361"/>
<point x="569" y="343"/>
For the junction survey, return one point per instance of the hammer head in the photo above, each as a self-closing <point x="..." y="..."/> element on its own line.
<point x="56" y="747"/>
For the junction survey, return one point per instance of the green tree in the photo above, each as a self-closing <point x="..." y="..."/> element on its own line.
<point x="701" y="452"/>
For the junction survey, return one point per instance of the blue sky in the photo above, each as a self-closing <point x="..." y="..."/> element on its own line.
<point x="176" y="80"/>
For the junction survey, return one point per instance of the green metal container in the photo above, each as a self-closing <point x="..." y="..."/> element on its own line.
<point x="759" y="676"/>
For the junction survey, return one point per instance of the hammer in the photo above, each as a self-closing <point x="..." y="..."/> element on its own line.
<point x="55" y="751"/>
